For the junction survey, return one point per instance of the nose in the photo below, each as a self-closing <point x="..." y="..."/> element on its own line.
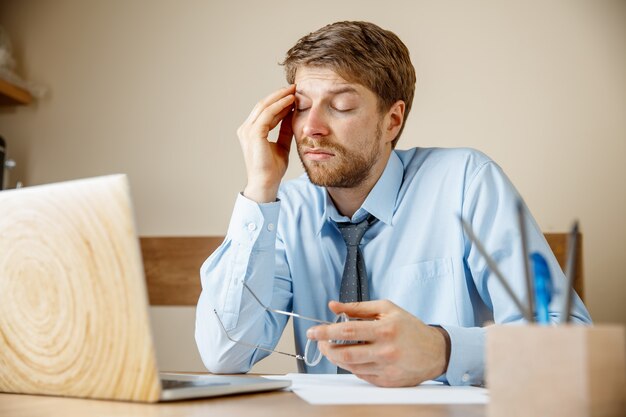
<point x="315" y="123"/>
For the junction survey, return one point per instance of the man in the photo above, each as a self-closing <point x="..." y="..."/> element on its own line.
<point x="351" y="89"/>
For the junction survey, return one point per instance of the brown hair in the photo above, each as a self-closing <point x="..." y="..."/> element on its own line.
<point x="359" y="52"/>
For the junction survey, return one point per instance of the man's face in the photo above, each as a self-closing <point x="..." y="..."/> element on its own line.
<point x="337" y="127"/>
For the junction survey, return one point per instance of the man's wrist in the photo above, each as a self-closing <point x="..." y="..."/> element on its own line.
<point x="261" y="194"/>
<point x="448" y="347"/>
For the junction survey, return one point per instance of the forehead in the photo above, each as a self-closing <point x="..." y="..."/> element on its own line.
<point x="325" y="81"/>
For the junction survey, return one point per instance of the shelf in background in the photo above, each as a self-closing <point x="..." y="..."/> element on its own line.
<point x="11" y="95"/>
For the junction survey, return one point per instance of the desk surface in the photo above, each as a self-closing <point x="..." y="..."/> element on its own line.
<point x="275" y="404"/>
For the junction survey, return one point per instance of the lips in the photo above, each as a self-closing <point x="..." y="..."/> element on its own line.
<point x="318" y="154"/>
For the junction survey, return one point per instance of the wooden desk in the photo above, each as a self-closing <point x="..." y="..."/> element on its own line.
<point x="275" y="404"/>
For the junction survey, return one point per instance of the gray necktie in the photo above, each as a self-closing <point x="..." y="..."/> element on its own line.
<point x="354" y="280"/>
<point x="354" y="286"/>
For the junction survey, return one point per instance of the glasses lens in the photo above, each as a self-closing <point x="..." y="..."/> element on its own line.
<point x="312" y="355"/>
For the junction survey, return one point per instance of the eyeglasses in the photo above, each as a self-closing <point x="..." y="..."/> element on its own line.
<point x="309" y="344"/>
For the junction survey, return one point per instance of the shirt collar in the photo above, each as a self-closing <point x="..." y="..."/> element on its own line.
<point x="380" y="202"/>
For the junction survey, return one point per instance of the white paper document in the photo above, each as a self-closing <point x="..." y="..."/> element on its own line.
<point x="348" y="389"/>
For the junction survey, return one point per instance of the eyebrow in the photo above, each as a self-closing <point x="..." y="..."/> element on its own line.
<point x="335" y="91"/>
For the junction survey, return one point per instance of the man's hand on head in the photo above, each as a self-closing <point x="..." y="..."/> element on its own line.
<point x="397" y="348"/>
<point x="266" y="162"/>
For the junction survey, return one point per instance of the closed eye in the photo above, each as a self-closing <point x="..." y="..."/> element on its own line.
<point x="343" y="110"/>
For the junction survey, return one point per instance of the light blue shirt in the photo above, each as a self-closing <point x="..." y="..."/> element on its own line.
<point x="291" y="254"/>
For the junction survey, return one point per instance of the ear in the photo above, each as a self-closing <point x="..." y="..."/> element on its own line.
<point x="393" y="121"/>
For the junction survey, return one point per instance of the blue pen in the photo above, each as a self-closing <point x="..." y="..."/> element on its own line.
<point x="543" y="287"/>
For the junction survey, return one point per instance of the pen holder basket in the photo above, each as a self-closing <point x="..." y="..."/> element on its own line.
<point x="556" y="371"/>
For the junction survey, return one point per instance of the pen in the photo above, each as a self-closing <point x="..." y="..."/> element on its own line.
<point x="530" y="291"/>
<point x="570" y="272"/>
<point x="543" y="287"/>
<point x="494" y="268"/>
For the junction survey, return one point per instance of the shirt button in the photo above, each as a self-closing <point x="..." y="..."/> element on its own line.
<point x="251" y="227"/>
<point x="465" y="377"/>
<point x="270" y="227"/>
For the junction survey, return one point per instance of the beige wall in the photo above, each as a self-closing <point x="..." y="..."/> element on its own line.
<point x="156" y="89"/>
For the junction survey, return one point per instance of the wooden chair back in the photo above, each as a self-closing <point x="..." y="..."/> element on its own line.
<point x="172" y="265"/>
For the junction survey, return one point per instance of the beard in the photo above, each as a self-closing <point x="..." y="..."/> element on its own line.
<point x="348" y="169"/>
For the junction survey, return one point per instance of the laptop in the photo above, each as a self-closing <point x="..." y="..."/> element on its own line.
<point x="73" y="302"/>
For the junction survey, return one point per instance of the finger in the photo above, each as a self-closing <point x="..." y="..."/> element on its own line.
<point x="346" y="358"/>
<point x="349" y="330"/>
<point x="372" y="378"/>
<point x="282" y="115"/>
<point x="381" y="379"/>
<point x="271" y="115"/>
<point x="363" y="309"/>
<point x="348" y="355"/>
<point x="363" y="369"/>
<point x="272" y="98"/>
<point x="286" y="132"/>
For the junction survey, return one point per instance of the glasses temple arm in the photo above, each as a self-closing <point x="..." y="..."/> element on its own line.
<point x="299" y="357"/>
<point x="287" y="313"/>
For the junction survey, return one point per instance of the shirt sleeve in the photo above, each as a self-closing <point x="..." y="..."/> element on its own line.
<point x="248" y="254"/>
<point x="467" y="362"/>
<point x="489" y="205"/>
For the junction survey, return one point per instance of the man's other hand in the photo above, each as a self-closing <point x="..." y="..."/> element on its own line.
<point x="397" y="348"/>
